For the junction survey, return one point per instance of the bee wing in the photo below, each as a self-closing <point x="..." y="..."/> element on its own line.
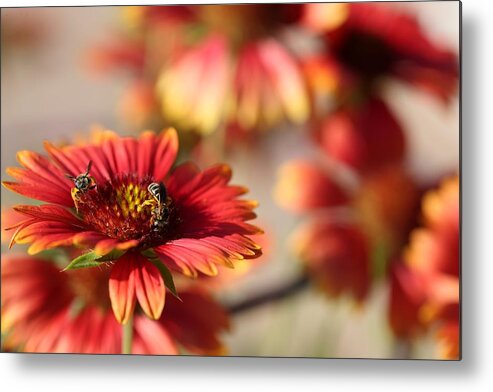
<point x="89" y="165"/>
<point x="163" y="192"/>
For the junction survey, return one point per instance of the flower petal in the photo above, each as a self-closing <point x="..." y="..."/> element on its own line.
<point x="354" y="135"/>
<point x="150" y="289"/>
<point x="165" y="153"/>
<point x="285" y="75"/>
<point x="404" y="34"/>
<point x="208" y="204"/>
<point x="190" y="255"/>
<point x="407" y="296"/>
<point x="336" y="256"/>
<point x="305" y="186"/>
<point x="151" y="155"/>
<point x="74" y="160"/>
<point x="48" y="226"/>
<point x="105" y="246"/>
<point x="196" y="322"/>
<point x="40" y="180"/>
<point x="122" y="288"/>
<point x="152" y="338"/>
<point x="182" y="86"/>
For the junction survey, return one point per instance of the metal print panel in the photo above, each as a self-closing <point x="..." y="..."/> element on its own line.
<point x="245" y="180"/>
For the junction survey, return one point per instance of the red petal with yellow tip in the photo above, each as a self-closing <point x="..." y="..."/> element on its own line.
<point x="268" y="87"/>
<point x="303" y="186"/>
<point x="150" y="154"/>
<point x="193" y="86"/>
<point x="122" y="288"/>
<point x="149" y="288"/>
<point x="40" y="180"/>
<point x="47" y="226"/>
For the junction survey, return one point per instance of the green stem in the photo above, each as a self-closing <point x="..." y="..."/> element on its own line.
<point x="127" y="337"/>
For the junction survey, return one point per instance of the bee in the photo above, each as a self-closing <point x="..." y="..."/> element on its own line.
<point x="160" y="218"/>
<point x="160" y="213"/>
<point x="82" y="183"/>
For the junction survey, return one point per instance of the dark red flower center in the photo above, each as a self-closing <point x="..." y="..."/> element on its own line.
<point x="124" y="209"/>
<point x="366" y="54"/>
<point x="247" y="22"/>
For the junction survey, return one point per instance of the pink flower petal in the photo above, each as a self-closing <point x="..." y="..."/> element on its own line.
<point x="165" y="154"/>
<point x="152" y="338"/>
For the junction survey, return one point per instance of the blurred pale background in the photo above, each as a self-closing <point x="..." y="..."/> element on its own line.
<point x="48" y="94"/>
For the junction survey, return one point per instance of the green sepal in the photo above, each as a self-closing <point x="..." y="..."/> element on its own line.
<point x="165" y="272"/>
<point x="115" y="254"/>
<point x="92" y="259"/>
<point x="83" y="261"/>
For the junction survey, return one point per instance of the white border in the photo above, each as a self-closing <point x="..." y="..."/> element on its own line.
<point x="474" y="373"/>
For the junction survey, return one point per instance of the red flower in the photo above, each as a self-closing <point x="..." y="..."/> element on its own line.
<point x="364" y="137"/>
<point x="215" y="66"/>
<point x="198" y="223"/>
<point x="256" y="90"/>
<point x="45" y="311"/>
<point x="336" y="257"/>
<point x="348" y="227"/>
<point x="426" y="291"/>
<point x="365" y="45"/>
<point x="370" y="40"/>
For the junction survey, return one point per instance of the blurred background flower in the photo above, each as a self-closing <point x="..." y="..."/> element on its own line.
<point x="364" y="45"/>
<point x="351" y="234"/>
<point x="425" y="286"/>
<point x="352" y="111"/>
<point x="24" y="33"/>
<point x="196" y="72"/>
<point x="44" y="310"/>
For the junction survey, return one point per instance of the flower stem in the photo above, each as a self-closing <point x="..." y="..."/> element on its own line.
<point x="127" y="336"/>
<point x="273" y="295"/>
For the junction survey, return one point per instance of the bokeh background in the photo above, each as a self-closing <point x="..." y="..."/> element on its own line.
<point x="50" y="92"/>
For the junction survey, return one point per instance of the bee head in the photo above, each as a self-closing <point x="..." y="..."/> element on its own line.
<point x="82" y="182"/>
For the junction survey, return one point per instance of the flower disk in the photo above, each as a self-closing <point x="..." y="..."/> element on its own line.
<point x="122" y="208"/>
